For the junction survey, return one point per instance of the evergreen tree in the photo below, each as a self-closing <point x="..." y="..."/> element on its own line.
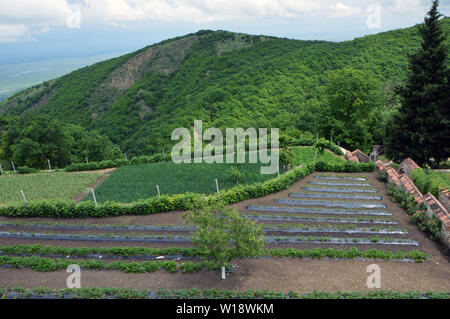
<point x="420" y="129"/>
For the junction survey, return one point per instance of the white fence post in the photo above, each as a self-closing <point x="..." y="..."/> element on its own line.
<point x="223" y="272"/>
<point x="49" y="166"/>
<point x="217" y="188"/>
<point x="125" y="156"/>
<point x="159" y="194"/>
<point x="279" y="178"/>
<point x="87" y="162"/>
<point x="14" y="168"/>
<point x="93" y="196"/>
<point x="315" y="157"/>
<point x="1" y="169"/>
<point x="23" y="196"/>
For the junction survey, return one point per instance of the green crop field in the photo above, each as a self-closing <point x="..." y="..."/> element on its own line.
<point x="305" y="154"/>
<point x="44" y="185"/>
<point x="130" y="183"/>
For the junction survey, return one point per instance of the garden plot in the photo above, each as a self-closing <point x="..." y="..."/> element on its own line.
<point x="338" y="190"/>
<point x="285" y="209"/>
<point x="333" y="196"/>
<point x="302" y="233"/>
<point x="295" y="202"/>
<point x="340" y="184"/>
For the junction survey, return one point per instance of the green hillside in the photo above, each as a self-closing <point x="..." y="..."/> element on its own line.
<point x="226" y="79"/>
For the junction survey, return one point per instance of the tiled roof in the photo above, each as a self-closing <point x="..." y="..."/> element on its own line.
<point x="411" y="188"/>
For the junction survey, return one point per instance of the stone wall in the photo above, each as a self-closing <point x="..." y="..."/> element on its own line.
<point x="407" y="166"/>
<point x="434" y="206"/>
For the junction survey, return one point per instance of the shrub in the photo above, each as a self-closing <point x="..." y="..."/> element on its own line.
<point x="26" y="170"/>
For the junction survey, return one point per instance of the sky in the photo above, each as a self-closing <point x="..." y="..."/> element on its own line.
<point x="34" y="30"/>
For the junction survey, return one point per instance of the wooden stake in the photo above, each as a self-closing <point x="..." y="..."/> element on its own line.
<point x="93" y="196"/>
<point x="14" y="168"/>
<point x="315" y="157"/>
<point x="159" y="194"/>
<point x="23" y="196"/>
<point x="217" y="188"/>
<point x="223" y="273"/>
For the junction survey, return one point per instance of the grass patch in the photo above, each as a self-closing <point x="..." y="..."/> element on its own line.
<point x="305" y="154"/>
<point x="54" y="185"/>
<point x="130" y="183"/>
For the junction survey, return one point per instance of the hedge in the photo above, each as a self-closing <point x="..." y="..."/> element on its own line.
<point x="66" y="209"/>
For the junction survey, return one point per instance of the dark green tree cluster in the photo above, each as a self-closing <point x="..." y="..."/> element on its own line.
<point x="421" y="127"/>
<point x="32" y="140"/>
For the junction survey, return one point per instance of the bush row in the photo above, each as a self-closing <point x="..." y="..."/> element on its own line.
<point x="431" y="225"/>
<point x="54" y="264"/>
<point x="194" y="293"/>
<point x="194" y="252"/>
<point x="347" y="166"/>
<point x="65" y="209"/>
<point x="77" y="167"/>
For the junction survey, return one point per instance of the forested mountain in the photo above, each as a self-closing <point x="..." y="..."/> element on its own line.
<point x="226" y="79"/>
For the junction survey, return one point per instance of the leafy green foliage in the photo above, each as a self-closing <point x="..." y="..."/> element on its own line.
<point x="45" y="185"/>
<point x="429" y="181"/>
<point x="232" y="80"/>
<point x="421" y="127"/>
<point x="32" y="140"/>
<point x="223" y="234"/>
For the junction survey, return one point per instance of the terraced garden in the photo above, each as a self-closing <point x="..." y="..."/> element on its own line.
<point x="320" y="234"/>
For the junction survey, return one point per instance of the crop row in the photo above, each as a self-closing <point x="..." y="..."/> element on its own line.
<point x="266" y="227"/>
<point x="54" y="264"/>
<point x="334" y="219"/>
<point x="193" y="252"/>
<point x="122" y="293"/>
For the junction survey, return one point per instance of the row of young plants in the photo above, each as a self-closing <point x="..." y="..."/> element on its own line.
<point x="351" y="253"/>
<point x="188" y="238"/>
<point x="335" y="219"/>
<point x="126" y="227"/>
<point x="428" y="224"/>
<point x="66" y="209"/>
<point x="46" y="264"/>
<point x="194" y="293"/>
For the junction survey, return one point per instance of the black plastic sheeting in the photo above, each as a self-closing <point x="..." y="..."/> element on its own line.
<point x="334" y="196"/>
<point x="340" y="184"/>
<point x="324" y="219"/>
<point x="338" y="190"/>
<point x="329" y="203"/>
<point x="276" y="209"/>
<point x="341" y="178"/>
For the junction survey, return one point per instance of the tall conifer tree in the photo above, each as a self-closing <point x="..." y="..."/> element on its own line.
<point x="420" y="129"/>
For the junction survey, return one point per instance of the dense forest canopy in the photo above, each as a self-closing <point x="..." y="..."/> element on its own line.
<point x="231" y="80"/>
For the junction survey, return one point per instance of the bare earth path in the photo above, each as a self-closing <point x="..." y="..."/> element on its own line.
<point x="280" y="274"/>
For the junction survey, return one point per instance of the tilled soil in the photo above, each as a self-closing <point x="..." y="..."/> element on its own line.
<point x="275" y="274"/>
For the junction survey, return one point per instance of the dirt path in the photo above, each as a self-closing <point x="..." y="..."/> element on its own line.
<point x="79" y="197"/>
<point x="272" y="274"/>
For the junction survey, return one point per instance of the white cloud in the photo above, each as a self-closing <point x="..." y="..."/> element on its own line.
<point x="12" y="32"/>
<point x="22" y="16"/>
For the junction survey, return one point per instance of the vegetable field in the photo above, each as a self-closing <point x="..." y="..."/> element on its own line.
<point x="305" y="154"/>
<point x="130" y="183"/>
<point x="44" y="185"/>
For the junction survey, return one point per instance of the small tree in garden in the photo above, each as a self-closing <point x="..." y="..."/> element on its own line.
<point x="223" y="234"/>
<point x="321" y="144"/>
